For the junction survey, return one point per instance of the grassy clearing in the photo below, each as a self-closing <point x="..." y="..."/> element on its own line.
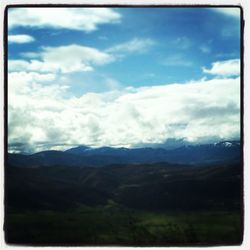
<point x="113" y="225"/>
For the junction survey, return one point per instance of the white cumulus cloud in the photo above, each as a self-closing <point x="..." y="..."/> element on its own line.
<point x="225" y="68"/>
<point x="21" y="38"/>
<point x="39" y="114"/>
<point x="85" y="19"/>
<point x="64" y="59"/>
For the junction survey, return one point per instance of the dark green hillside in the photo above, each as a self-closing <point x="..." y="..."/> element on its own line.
<point x="154" y="204"/>
<point x="155" y="186"/>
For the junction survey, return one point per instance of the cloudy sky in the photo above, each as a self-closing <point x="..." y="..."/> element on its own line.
<point x="122" y="77"/>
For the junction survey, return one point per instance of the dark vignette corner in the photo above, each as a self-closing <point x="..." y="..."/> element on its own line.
<point x="5" y="85"/>
<point x="5" y="110"/>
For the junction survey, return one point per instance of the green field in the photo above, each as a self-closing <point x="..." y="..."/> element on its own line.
<point x="114" y="225"/>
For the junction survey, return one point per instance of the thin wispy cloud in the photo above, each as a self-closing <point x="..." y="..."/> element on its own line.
<point x="177" y="60"/>
<point x="205" y="49"/>
<point x="231" y="28"/>
<point x="182" y="43"/>
<point x="30" y="55"/>
<point x="231" y="12"/>
<point x="136" y="45"/>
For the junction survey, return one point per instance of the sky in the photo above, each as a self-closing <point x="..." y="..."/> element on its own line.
<point x="122" y="77"/>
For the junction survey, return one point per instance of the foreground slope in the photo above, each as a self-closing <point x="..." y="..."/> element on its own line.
<point x="153" y="186"/>
<point x="140" y="205"/>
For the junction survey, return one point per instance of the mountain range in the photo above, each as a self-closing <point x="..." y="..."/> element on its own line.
<point x="79" y="195"/>
<point x="103" y="156"/>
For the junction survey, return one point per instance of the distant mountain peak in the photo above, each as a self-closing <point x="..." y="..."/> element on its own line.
<point x="87" y="156"/>
<point x="78" y="150"/>
<point x="227" y="144"/>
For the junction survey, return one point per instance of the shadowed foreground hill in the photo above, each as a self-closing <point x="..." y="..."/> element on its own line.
<point x="156" y="186"/>
<point x="155" y="204"/>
